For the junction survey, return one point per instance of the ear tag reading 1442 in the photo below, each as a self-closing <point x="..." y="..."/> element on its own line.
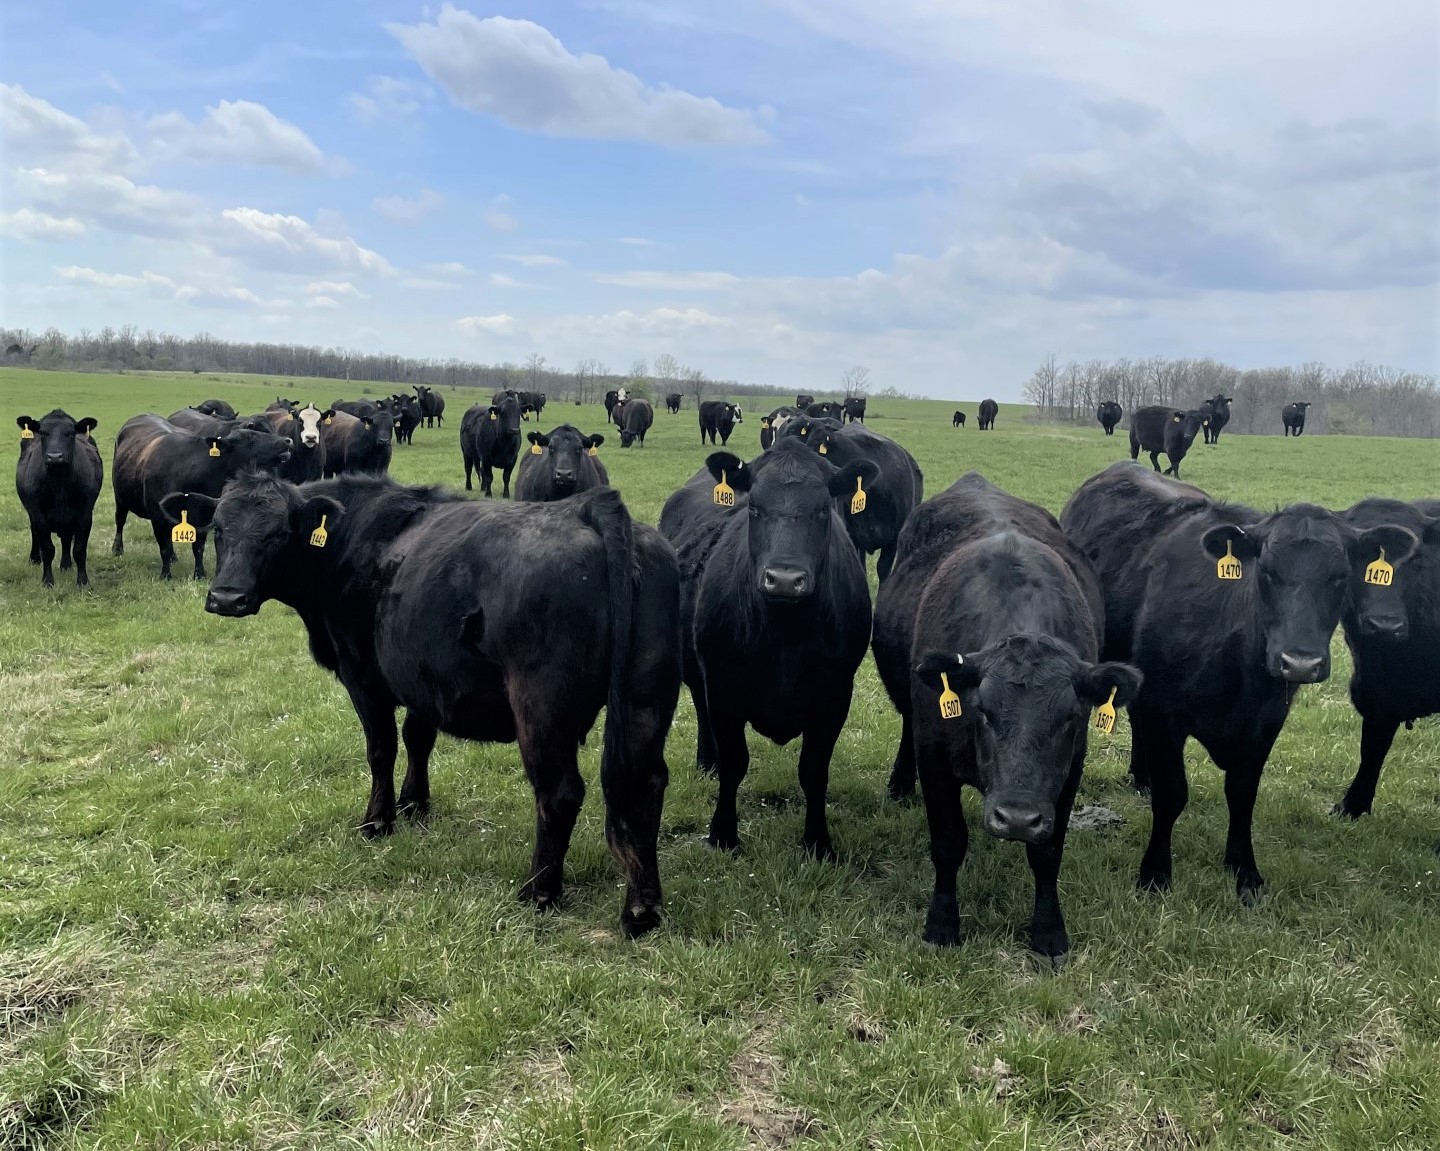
<point x="1228" y="567"/>
<point x="949" y="701"/>
<point x="184" y="531"/>
<point x="320" y="536"/>
<point x="536" y="450"/>
<point x="857" y="501"/>
<point x="1105" y="715"/>
<point x="724" y="493"/>
<point x="26" y="434"/>
<point x="1380" y="573"/>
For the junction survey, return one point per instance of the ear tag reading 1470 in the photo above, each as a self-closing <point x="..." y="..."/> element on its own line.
<point x="724" y="493"/>
<point x="857" y="501"/>
<point x="1228" y="567"/>
<point x="184" y="531"/>
<point x="1105" y="715"/>
<point x="1380" y="573"/>
<point x="949" y="701"/>
<point x="320" y="536"/>
<point x="536" y="450"/>
<point x="26" y="434"/>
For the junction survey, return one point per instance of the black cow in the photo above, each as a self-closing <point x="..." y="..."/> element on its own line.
<point x="828" y="410"/>
<point x="303" y="427"/>
<point x="218" y="408"/>
<point x="989" y="409"/>
<point x="204" y="424"/>
<point x="803" y="401"/>
<point x="406" y="410"/>
<point x="1217" y="412"/>
<point x="612" y="397"/>
<point x="775" y="613"/>
<point x="431" y="404"/>
<point x="1392" y="627"/>
<point x="437" y="615"/>
<point x="490" y="439"/>
<point x="774" y="423"/>
<point x="874" y="521"/>
<point x="854" y="409"/>
<point x="672" y="402"/>
<point x="1157" y="429"/>
<point x="958" y="419"/>
<point x="358" y="443"/>
<point x="358" y="407"/>
<point x="1293" y="417"/>
<point x="718" y="417"/>
<point x="1110" y="413"/>
<point x="154" y="458"/>
<point x="560" y="464"/>
<point x="531" y="403"/>
<point x="1236" y="610"/>
<point x="989" y="593"/>
<point x="58" y="478"/>
<point x="634" y="418"/>
<point x="282" y="404"/>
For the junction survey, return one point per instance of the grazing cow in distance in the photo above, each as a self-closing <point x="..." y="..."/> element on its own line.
<point x="1293" y="417"/>
<point x="58" y="479"/>
<point x="672" y="402"/>
<point x="1217" y="412"/>
<point x="357" y="443"/>
<point x="1109" y="413"/>
<point x="989" y="409"/>
<point x="988" y="593"/>
<point x="217" y="408"/>
<point x="634" y="418"/>
<point x="154" y="458"/>
<point x="775" y="616"/>
<point x="771" y="425"/>
<point x="827" y="410"/>
<point x="854" y="409"/>
<point x="1392" y="627"/>
<point x="417" y="598"/>
<point x="490" y="439"/>
<point x="1235" y="611"/>
<point x="718" y="417"/>
<point x="531" y="403"/>
<point x="303" y="428"/>
<point x="958" y="419"/>
<point x="803" y="401"/>
<point x="1157" y="429"/>
<point x="431" y="406"/>
<point x="559" y="464"/>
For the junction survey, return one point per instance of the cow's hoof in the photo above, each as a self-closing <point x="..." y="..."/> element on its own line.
<point x="1249" y="886"/>
<point x="1344" y="808"/>
<point x="941" y="934"/>
<point x="639" y="917"/>
<point x="1050" y="948"/>
<point x="1153" y="881"/>
<point x="377" y="828"/>
<point x="900" y="790"/>
<point x="541" y="897"/>
<point x="47" y="580"/>
<point x="821" y="850"/>
<point x="65" y="565"/>
<point x="724" y="842"/>
<point x="416" y="810"/>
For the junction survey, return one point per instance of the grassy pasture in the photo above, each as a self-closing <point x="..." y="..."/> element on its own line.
<point x="197" y="950"/>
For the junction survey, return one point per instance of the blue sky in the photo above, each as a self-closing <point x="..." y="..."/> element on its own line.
<point x="941" y="190"/>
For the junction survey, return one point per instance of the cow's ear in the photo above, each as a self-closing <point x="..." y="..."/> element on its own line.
<point x="1095" y="681"/>
<point x="87" y="425"/>
<point x="961" y="671"/>
<point x="1395" y="543"/>
<point x="1242" y="545"/>
<point x="843" y="482"/>
<point x="199" y="509"/>
<point x="533" y="437"/>
<point x="594" y="441"/>
<point x="736" y="474"/>
<point x="367" y="421"/>
<point x="26" y="424"/>
<point x="309" y="515"/>
<point x="216" y="444"/>
<point x="328" y="414"/>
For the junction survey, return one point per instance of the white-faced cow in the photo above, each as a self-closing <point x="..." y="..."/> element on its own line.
<point x="490" y="439"/>
<point x="559" y="464"/>
<point x="1157" y="429"/>
<point x="774" y="423"/>
<point x="58" y="478"/>
<point x="718" y="418"/>
<point x="491" y="622"/>
<point x="1293" y="417"/>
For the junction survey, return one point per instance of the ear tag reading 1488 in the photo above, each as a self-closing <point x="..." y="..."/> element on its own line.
<point x="184" y="531"/>
<point x="320" y="536"/>
<point x="1228" y="567"/>
<point x="724" y="493"/>
<point x="857" y="501"/>
<point x="1105" y="715"/>
<point x="949" y="701"/>
<point x="536" y="450"/>
<point x="1380" y="573"/>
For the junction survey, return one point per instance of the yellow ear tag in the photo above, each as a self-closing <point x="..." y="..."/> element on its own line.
<point x="1105" y="715"/>
<point x="329" y="420"/>
<point x="492" y="415"/>
<point x="764" y="422"/>
<point x="536" y="450"/>
<point x="1174" y="419"/>
<point x="319" y="536"/>
<point x="1380" y="573"/>
<point x="26" y="434"/>
<point x="1228" y="567"/>
<point x="824" y="450"/>
<point x="593" y="452"/>
<point x="857" y="501"/>
<point x="215" y="451"/>
<point x="949" y="701"/>
<point x="184" y="531"/>
<point x="724" y="493"/>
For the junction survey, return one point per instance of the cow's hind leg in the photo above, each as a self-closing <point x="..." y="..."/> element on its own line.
<point x="167" y="549"/>
<point x="121" y="515"/>
<point x="82" y="552"/>
<point x="377" y="718"/>
<point x="1377" y="733"/>
<point x="548" y="750"/>
<point x="1155" y="460"/>
<point x="707" y="759"/>
<point x="634" y="797"/>
<point x="66" y="537"/>
<point x="419" y="736"/>
<point x="902" y="774"/>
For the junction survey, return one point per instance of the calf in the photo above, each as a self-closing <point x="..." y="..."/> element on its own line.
<point x="1218" y="413"/>
<point x="993" y="578"/>
<point x="560" y="464"/>
<point x="154" y="458"/>
<point x="855" y="409"/>
<point x="1161" y="429"/>
<point x="672" y="402"/>
<point x="989" y="409"/>
<point x="634" y="418"/>
<point x="775" y="614"/>
<point x="490" y="439"/>
<point x="803" y="401"/>
<point x="958" y="419"/>
<point x="1109" y="413"/>
<point x="303" y="428"/>
<point x="872" y="519"/>
<point x="1236" y="610"/>
<point x="438" y="615"/>
<point x="773" y="424"/>
<point x="58" y="478"/>
<point x="218" y="408"/>
<point x="717" y="417"/>
<point x="1293" y="417"/>
<point x="357" y="443"/>
<point x="1392" y="627"/>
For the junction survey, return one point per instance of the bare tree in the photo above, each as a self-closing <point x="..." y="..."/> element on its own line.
<point x="694" y="383"/>
<point x="855" y="380"/>
<point x="667" y="370"/>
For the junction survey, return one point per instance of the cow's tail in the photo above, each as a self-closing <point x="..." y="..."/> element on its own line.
<point x="607" y="514"/>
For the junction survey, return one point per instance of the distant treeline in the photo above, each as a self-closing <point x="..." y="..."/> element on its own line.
<point x="1363" y="399"/>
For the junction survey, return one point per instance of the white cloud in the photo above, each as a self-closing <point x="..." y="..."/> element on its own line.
<point x="501" y="280"/>
<point x="35" y="132"/>
<point x="202" y="295"/>
<point x="241" y="132"/>
<point x="111" y="201"/>
<point x="448" y="268"/>
<point x="670" y="281"/>
<point x="533" y="259"/>
<point x="287" y="243"/>
<point x="409" y="209"/>
<point x="519" y="72"/>
<point x="501" y="324"/>
<point x="334" y="288"/>
<point x="97" y="279"/>
<point x="636" y="241"/>
<point x="322" y="302"/>
<point x="37" y="226"/>
<point x="426" y="284"/>
<point x="389" y="98"/>
<point x="497" y="219"/>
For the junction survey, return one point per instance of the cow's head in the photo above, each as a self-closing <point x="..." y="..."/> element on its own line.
<point x="565" y="449"/>
<point x="789" y="513"/>
<point x="1398" y="532"/>
<point x="736" y="414"/>
<point x="310" y="418"/>
<point x="1025" y="703"/>
<point x="259" y="523"/>
<point x="1187" y="425"/>
<point x="381" y="425"/>
<point x="506" y="411"/>
<point x="55" y="436"/>
<point x="1300" y="406"/>
<point x="243" y="448"/>
<point x="1302" y="559"/>
<point x="421" y="391"/>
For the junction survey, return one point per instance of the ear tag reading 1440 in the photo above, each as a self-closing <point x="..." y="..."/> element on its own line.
<point x="536" y="450"/>
<point x="320" y="536"/>
<point x="1380" y="573"/>
<point x="724" y="493"/>
<point x="949" y="701"/>
<point x="1105" y="715"/>
<point x="184" y="531"/>
<point x="857" y="501"/>
<point x="1228" y="567"/>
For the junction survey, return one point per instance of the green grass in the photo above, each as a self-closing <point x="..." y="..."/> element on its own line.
<point x="196" y="949"/>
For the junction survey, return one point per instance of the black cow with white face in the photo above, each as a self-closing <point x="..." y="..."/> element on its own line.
<point x="559" y="464"/>
<point x="420" y="599"/>
<point x="1218" y="412"/>
<point x="58" y="478"/>
<point x="1157" y="429"/>
<point x="303" y="427"/>
<point x="490" y="439"/>
<point x="1293" y="417"/>
<point x="1109" y="413"/>
<point x="772" y="425"/>
<point x="718" y="418"/>
<point x="988" y="593"/>
<point x="1236" y="611"/>
<point x="775" y="612"/>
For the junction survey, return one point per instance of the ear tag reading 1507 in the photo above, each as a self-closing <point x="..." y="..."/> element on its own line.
<point x="320" y="536"/>
<point x="949" y="701"/>
<point x="1105" y="715"/>
<point x="184" y="531"/>
<point x="1380" y="573"/>
<point x="857" y="501"/>
<point x="724" y="493"/>
<point x="1228" y="567"/>
<point x="536" y="450"/>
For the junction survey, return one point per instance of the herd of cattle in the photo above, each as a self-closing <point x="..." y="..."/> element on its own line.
<point x="1000" y="633"/>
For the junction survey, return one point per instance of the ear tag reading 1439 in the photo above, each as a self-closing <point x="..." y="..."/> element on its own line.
<point x="184" y="531"/>
<point x="857" y="501"/>
<point x="536" y="450"/>
<point x="724" y="493"/>
<point x="26" y="434"/>
<point x="1228" y="567"/>
<point x="320" y="536"/>
<point x="1380" y="573"/>
<point x="1105" y="715"/>
<point x="949" y="701"/>
<point x="215" y="451"/>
